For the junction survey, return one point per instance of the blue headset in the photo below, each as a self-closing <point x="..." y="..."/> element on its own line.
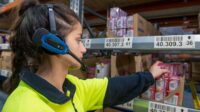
<point x="50" y="40"/>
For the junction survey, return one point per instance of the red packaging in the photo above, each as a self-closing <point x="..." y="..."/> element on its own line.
<point x="166" y="86"/>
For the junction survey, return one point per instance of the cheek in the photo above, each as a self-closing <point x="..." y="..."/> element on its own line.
<point x="73" y="46"/>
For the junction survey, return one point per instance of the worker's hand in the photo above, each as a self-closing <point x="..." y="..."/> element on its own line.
<point x="157" y="69"/>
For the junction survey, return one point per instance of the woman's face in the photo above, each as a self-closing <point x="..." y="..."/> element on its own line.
<point x="73" y="40"/>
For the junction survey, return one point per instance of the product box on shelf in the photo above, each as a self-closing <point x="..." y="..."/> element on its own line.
<point x="137" y="23"/>
<point x="117" y="12"/>
<point x="125" y="64"/>
<point x="195" y="67"/>
<point x="102" y="69"/>
<point x="6" y="60"/>
<point x="1" y="62"/>
<point x="115" y="61"/>
<point x="196" y="77"/>
<point x="97" y="67"/>
<point x="121" y="22"/>
<point x="168" y="88"/>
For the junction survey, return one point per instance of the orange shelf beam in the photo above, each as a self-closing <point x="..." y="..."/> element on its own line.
<point x="9" y="6"/>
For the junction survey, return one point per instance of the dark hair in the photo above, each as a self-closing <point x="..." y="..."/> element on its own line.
<point x="33" y="15"/>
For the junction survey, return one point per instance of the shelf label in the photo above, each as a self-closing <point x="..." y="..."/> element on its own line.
<point x="4" y="73"/>
<point x="87" y="43"/>
<point x="128" y="105"/>
<point x="175" y="41"/>
<point x="4" y="46"/>
<point x="161" y="107"/>
<point x="124" y="42"/>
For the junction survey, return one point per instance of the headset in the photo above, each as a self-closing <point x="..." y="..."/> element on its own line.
<point x="51" y="41"/>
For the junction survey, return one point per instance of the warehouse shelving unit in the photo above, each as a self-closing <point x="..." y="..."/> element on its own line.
<point x="148" y="44"/>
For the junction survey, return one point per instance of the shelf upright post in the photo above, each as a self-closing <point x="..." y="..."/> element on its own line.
<point x="78" y="7"/>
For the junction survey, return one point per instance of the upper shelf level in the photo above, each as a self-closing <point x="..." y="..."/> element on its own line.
<point x="147" y="44"/>
<point x="175" y="44"/>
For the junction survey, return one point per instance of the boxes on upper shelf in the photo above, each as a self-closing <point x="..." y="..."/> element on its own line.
<point x="121" y="25"/>
<point x="116" y="12"/>
<point x="137" y="23"/>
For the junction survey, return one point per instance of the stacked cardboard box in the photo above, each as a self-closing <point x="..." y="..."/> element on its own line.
<point x="121" y="25"/>
<point x="6" y="60"/>
<point x="136" y="25"/>
<point x="195" y="71"/>
<point x="128" y="64"/>
<point x="6" y="63"/>
<point x="116" y="24"/>
<point x="168" y="88"/>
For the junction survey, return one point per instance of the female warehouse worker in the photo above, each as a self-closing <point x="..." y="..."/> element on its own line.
<point x="42" y="60"/>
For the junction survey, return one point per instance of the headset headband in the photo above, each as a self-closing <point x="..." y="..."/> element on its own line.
<point x="52" y="21"/>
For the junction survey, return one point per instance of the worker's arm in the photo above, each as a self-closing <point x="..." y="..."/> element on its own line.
<point x="124" y="88"/>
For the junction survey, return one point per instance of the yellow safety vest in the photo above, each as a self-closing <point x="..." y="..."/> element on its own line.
<point x="88" y="95"/>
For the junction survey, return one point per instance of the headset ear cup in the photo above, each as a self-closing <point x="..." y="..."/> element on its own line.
<point x="50" y="42"/>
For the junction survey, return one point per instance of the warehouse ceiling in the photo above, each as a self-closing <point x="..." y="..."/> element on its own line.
<point x="163" y="12"/>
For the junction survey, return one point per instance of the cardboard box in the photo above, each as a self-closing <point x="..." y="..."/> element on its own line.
<point x="119" y="65"/>
<point x="125" y="65"/>
<point x="116" y="12"/>
<point x="91" y="62"/>
<point x="195" y="67"/>
<point x="147" y="61"/>
<point x="1" y="63"/>
<point x="137" y="23"/>
<point x="196" y="77"/>
<point x="134" y="23"/>
<point x="150" y="29"/>
<point x="6" y="60"/>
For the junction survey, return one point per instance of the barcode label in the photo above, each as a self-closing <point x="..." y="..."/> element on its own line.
<point x="170" y="39"/>
<point x="125" y="42"/>
<point x="173" y="100"/>
<point x="175" y="41"/>
<point x="159" y="107"/>
<point x="87" y="43"/>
